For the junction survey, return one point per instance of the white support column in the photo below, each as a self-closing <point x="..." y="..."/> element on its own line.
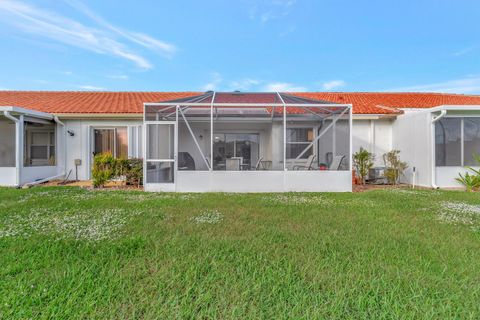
<point x="175" y="149"/>
<point x="284" y="133"/>
<point x="211" y="132"/>
<point x="462" y="141"/>
<point x="19" y="132"/>
<point x="350" y="120"/>
<point x="334" y="139"/>
<point x="144" y="152"/>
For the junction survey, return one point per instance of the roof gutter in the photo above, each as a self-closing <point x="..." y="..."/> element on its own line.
<point x="100" y="115"/>
<point x="442" y="114"/>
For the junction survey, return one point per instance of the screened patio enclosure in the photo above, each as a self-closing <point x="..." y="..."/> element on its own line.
<point x="29" y="142"/>
<point x="247" y="142"/>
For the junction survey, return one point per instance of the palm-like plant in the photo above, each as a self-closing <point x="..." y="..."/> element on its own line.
<point x="471" y="182"/>
<point x="363" y="162"/>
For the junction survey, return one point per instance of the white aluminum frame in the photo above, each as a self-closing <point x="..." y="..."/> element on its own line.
<point x="208" y="180"/>
<point x="163" y="186"/>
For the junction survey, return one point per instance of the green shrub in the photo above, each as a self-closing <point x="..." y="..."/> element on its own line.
<point x="394" y="167"/>
<point x="363" y="162"/>
<point x="104" y="167"/>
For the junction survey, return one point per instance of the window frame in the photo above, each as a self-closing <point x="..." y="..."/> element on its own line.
<point x="115" y="138"/>
<point x="462" y="140"/>
<point x="28" y="140"/>
<point x="304" y="143"/>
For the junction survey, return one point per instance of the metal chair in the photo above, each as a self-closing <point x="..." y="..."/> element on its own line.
<point x="336" y="162"/>
<point x="257" y="165"/>
<point x="308" y="164"/>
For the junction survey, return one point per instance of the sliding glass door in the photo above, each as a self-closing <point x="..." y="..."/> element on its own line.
<point x="235" y="151"/>
<point x="112" y="140"/>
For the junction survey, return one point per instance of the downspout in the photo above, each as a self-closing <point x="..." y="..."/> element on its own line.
<point x="18" y="161"/>
<point x="432" y="149"/>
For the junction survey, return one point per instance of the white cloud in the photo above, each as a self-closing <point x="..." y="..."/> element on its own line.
<point x="48" y="24"/>
<point x="271" y="9"/>
<point x="333" y="84"/>
<point x="462" y="52"/>
<point x="465" y="85"/>
<point x="67" y="73"/>
<point x="244" y="84"/>
<point x="137" y="37"/>
<point x="118" y="76"/>
<point x="91" y="88"/>
<point x="4" y="89"/>
<point x="213" y="84"/>
<point x="283" y="87"/>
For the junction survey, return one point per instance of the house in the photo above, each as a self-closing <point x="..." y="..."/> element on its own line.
<point x="236" y="141"/>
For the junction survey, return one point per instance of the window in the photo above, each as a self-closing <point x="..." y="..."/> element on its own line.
<point x="448" y="144"/>
<point x="454" y="136"/>
<point x="113" y="140"/>
<point x="7" y="143"/>
<point x="471" y="141"/>
<point x="39" y="144"/>
<point x="242" y="146"/>
<point x="297" y="140"/>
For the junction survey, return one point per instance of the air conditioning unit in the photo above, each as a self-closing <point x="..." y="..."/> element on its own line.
<point x="376" y="175"/>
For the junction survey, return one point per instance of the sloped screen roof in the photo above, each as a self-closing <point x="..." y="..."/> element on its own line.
<point x="247" y="98"/>
<point x="241" y="104"/>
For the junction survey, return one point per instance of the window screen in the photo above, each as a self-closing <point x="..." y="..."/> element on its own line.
<point x="471" y="139"/>
<point x="297" y="140"/>
<point x="448" y="142"/>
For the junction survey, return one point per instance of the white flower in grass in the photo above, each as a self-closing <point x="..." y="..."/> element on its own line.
<point x="297" y="199"/>
<point x="208" y="216"/>
<point x="460" y="213"/>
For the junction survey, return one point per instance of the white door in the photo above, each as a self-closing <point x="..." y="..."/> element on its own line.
<point x="160" y="156"/>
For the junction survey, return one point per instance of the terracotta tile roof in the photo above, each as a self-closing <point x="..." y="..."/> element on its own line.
<point x="387" y="103"/>
<point x="132" y="102"/>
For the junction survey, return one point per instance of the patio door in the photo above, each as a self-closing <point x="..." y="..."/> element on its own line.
<point x="112" y="140"/>
<point x="160" y="164"/>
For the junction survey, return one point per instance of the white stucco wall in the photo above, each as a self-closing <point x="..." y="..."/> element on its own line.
<point x="445" y="176"/>
<point x="374" y="136"/>
<point x="412" y="136"/>
<point x="8" y="176"/>
<point x="258" y="181"/>
<point x="80" y="146"/>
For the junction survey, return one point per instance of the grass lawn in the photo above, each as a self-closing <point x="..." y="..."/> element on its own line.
<point x="72" y="253"/>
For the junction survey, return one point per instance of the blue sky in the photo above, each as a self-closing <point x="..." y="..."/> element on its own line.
<point x="248" y="45"/>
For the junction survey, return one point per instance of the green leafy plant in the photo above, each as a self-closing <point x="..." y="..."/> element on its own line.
<point x="104" y="167"/>
<point x="363" y="162"/>
<point x="394" y="167"/>
<point x="471" y="182"/>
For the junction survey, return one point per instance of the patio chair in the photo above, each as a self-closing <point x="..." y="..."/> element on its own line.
<point x="336" y="162"/>
<point x="308" y="164"/>
<point x="257" y="165"/>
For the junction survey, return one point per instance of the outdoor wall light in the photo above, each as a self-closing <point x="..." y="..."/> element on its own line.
<point x="70" y="133"/>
